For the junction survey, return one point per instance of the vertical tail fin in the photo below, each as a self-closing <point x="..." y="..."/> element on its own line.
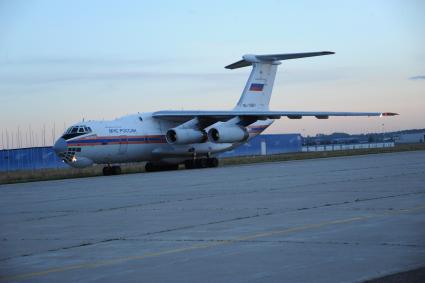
<point x="258" y="89"/>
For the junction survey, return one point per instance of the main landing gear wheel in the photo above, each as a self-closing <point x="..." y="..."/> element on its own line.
<point x="201" y="163"/>
<point x="212" y="162"/>
<point x="111" y="170"/>
<point x="151" y="167"/>
<point x="189" y="164"/>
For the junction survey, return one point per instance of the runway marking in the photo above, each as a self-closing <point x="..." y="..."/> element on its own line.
<point x="204" y="246"/>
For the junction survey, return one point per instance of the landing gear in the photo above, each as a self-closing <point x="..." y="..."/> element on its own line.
<point x="111" y="170"/>
<point x="189" y="164"/>
<point x="201" y="163"/>
<point x="212" y="162"/>
<point x="152" y="167"/>
<point x="149" y="167"/>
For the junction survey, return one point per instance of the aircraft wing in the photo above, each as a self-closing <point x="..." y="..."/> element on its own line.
<point x="181" y="116"/>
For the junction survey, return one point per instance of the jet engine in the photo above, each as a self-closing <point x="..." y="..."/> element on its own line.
<point x="228" y="134"/>
<point x="185" y="136"/>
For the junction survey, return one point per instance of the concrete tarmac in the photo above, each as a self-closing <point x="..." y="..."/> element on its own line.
<point x="344" y="219"/>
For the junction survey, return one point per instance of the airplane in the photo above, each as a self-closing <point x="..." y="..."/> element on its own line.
<point x="166" y="139"/>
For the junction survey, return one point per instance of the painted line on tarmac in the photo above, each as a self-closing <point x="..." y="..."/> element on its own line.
<point x="204" y="246"/>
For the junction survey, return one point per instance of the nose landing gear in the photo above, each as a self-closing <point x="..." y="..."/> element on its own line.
<point x="111" y="170"/>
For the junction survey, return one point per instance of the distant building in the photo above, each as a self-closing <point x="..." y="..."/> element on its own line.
<point x="349" y="140"/>
<point x="410" y="138"/>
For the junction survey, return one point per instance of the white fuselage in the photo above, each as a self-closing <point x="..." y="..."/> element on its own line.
<point x="139" y="137"/>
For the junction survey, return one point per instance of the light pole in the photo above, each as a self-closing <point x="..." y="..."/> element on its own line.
<point x="383" y="132"/>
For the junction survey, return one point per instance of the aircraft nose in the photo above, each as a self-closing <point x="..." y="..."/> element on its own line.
<point x="59" y="146"/>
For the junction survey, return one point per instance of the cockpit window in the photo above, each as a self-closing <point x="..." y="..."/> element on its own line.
<point x="76" y="131"/>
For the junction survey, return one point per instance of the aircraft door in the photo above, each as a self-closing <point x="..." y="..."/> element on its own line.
<point x="123" y="145"/>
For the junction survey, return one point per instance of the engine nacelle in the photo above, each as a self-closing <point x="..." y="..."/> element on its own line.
<point x="228" y="134"/>
<point x="185" y="136"/>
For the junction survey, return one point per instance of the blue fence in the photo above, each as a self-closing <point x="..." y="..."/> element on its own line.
<point x="267" y="144"/>
<point x="29" y="158"/>
<point x="44" y="157"/>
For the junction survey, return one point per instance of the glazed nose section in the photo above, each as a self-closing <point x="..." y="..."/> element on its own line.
<point x="59" y="146"/>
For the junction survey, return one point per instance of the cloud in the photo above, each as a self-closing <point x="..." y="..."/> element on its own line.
<point x="415" y="78"/>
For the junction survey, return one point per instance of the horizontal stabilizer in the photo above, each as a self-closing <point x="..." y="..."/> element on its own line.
<point x="249" y="59"/>
<point x="239" y="64"/>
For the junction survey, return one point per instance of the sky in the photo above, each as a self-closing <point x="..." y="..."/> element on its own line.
<point x="64" y="61"/>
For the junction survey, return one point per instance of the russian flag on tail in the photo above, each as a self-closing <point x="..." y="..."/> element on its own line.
<point x="256" y="87"/>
